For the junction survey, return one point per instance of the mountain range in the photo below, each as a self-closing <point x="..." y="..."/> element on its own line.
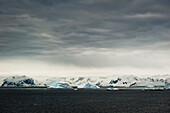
<point x="122" y="81"/>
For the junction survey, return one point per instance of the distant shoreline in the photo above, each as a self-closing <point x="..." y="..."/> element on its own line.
<point x="79" y="89"/>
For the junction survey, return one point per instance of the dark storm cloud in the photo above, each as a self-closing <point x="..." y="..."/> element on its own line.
<point x="79" y="32"/>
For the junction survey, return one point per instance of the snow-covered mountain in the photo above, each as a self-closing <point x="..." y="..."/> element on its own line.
<point x="124" y="80"/>
<point x="88" y="85"/>
<point x="18" y="81"/>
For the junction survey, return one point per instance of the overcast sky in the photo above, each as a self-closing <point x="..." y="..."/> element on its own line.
<point x="85" y="37"/>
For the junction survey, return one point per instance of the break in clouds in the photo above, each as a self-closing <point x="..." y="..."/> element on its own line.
<point x="98" y="36"/>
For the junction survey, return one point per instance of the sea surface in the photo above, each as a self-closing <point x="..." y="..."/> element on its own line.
<point x="42" y="100"/>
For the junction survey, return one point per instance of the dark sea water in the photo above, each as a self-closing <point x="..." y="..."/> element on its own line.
<point x="83" y="101"/>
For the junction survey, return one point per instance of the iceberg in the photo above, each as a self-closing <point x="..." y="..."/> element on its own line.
<point x="149" y="87"/>
<point x="112" y="89"/>
<point x="55" y="84"/>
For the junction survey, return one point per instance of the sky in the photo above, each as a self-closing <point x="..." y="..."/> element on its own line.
<point x="84" y="37"/>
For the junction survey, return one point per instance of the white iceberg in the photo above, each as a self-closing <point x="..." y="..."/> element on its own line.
<point x="88" y="85"/>
<point x="112" y="89"/>
<point x="152" y="87"/>
<point x="55" y="84"/>
<point x="149" y="87"/>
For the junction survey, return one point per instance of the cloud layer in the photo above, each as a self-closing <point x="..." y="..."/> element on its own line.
<point x="96" y="34"/>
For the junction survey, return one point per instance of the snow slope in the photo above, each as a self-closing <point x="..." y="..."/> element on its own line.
<point x="124" y="80"/>
<point x="88" y="86"/>
<point x="167" y="83"/>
